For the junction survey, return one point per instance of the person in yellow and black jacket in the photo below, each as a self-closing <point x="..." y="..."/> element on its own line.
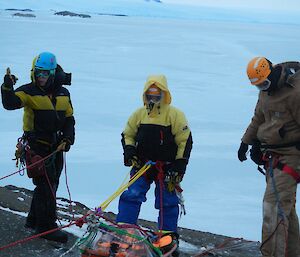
<point x="48" y="125"/>
<point x="158" y="132"/>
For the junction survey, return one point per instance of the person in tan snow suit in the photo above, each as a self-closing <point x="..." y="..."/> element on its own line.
<point x="274" y="134"/>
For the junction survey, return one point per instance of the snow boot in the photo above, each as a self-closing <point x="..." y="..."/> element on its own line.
<point x="57" y="236"/>
<point x="30" y="222"/>
<point x="168" y="242"/>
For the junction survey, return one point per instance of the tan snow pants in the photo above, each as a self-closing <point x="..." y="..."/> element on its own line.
<point x="280" y="230"/>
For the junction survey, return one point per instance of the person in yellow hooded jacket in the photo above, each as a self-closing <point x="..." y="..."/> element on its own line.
<point x="48" y="125"/>
<point x="158" y="132"/>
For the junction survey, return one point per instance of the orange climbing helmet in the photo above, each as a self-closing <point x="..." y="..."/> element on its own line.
<point x="258" y="70"/>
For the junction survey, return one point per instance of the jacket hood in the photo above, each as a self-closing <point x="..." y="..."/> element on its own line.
<point x="290" y="73"/>
<point x="161" y="82"/>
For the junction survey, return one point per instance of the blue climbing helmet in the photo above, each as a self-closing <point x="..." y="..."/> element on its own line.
<point x="45" y="64"/>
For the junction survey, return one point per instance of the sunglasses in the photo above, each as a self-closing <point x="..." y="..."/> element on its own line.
<point x="43" y="73"/>
<point x="153" y="98"/>
<point x="264" y="85"/>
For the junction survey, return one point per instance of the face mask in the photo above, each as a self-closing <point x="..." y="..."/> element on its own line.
<point x="265" y="85"/>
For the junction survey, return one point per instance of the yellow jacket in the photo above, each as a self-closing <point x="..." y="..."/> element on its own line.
<point x="162" y="134"/>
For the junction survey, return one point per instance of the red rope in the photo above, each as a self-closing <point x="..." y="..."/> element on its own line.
<point x="67" y="185"/>
<point x="12" y="173"/>
<point x="79" y="222"/>
<point x="37" y="235"/>
<point x="124" y="226"/>
<point x="281" y="222"/>
<point x="217" y="247"/>
<point x="160" y="177"/>
<point x="286" y="240"/>
<point x="68" y="189"/>
<point x="51" y="189"/>
<point x="31" y="165"/>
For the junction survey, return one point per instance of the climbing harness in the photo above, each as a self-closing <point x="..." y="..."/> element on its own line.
<point x="38" y="168"/>
<point x="20" y="153"/>
<point x="279" y="165"/>
<point x="23" y="168"/>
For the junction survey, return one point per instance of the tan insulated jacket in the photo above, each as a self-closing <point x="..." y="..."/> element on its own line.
<point x="276" y="119"/>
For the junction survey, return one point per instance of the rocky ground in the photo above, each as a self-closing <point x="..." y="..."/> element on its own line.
<point x="14" y="202"/>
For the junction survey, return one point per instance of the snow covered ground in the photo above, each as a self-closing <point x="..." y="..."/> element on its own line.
<point x="203" y="51"/>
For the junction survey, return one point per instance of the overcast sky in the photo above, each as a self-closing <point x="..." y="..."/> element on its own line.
<point x="257" y="4"/>
<point x="283" y="5"/>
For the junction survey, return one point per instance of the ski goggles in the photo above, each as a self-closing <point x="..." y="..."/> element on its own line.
<point x="43" y="73"/>
<point x="265" y="85"/>
<point x="153" y="98"/>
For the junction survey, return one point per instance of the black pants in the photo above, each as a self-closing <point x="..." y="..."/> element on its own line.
<point x="42" y="212"/>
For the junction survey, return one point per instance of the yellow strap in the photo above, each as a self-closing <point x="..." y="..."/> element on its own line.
<point x="124" y="186"/>
<point x="44" y="142"/>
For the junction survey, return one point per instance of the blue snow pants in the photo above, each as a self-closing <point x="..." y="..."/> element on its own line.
<point x="131" y="200"/>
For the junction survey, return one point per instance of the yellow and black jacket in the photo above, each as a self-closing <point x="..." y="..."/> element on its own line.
<point x="47" y="117"/>
<point x="160" y="134"/>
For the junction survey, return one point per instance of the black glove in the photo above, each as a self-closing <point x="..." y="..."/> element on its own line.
<point x="130" y="156"/>
<point x="64" y="145"/>
<point x="175" y="171"/>
<point x="242" y="152"/>
<point x="256" y="154"/>
<point x="10" y="80"/>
